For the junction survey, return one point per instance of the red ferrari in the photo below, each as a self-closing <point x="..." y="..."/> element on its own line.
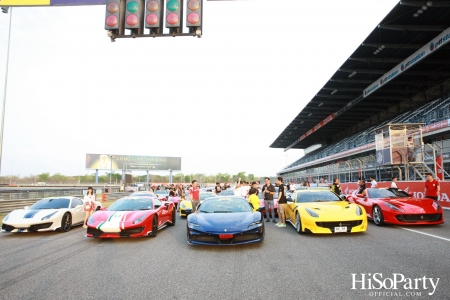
<point x="397" y="207"/>
<point x="132" y="217"/>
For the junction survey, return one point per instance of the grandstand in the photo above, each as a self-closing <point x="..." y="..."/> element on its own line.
<point x="399" y="75"/>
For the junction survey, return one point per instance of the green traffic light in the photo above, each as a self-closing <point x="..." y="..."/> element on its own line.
<point x="173" y="5"/>
<point x="132" y="6"/>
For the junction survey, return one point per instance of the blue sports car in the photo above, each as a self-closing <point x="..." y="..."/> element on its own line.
<point x="225" y="220"/>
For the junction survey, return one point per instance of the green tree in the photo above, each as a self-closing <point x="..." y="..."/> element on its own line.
<point x="251" y="177"/>
<point x="44" y="177"/>
<point x="58" y="178"/>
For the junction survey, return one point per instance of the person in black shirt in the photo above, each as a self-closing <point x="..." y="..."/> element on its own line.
<point x="361" y="187"/>
<point x="335" y="187"/>
<point x="268" y="191"/>
<point x="282" y="202"/>
<point x="217" y="188"/>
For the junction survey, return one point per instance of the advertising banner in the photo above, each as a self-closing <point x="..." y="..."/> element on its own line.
<point x="132" y="162"/>
<point x="50" y="2"/>
<point x="414" y="187"/>
<point x="417" y="56"/>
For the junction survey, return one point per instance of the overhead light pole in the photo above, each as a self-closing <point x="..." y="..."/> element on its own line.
<point x="110" y="173"/>
<point x="5" y="10"/>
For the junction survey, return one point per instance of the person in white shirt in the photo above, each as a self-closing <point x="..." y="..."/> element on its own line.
<point x="292" y="187"/>
<point x="373" y="183"/>
<point x="394" y="182"/>
<point x="245" y="189"/>
<point x="88" y="204"/>
<point x="238" y="190"/>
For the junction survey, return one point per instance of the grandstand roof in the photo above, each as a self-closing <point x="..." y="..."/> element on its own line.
<point x="347" y="96"/>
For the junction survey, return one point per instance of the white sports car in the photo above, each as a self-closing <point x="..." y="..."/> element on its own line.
<point x="48" y="214"/>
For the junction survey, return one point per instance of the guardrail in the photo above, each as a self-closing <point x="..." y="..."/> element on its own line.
<point x="6" y="206"/>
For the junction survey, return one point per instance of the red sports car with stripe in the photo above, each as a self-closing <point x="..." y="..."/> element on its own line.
<point x="396" y="207"/>
<point x="132" y="217"/>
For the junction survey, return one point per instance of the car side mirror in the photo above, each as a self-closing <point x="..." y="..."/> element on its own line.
<point x="411" y="194"/>
<point x="360" y="195"/>
<point x="344" y="197"/>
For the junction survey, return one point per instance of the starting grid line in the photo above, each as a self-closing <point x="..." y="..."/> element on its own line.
<point x="420" y="232"/>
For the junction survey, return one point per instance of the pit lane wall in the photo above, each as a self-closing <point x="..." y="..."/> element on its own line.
<point x="415" y="187"/>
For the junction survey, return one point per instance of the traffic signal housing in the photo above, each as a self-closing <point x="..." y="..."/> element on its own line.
<point x="112" y="15"/>
<point x="194" y="15"/>
<point x="134" y="15"/>
<point x="174" y="15"/>
<point x="154" y="15"/>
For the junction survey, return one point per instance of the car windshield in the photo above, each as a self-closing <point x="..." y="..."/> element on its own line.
<point x="203" y="196"/>
<point x="51" y="203"/>
<point x="226" y="193"/>
<point x="319" y="196"/>
<point x="147" y="194"/>
<point x="130" y="204"/>
<point x="225" y="205"/>
<point x="376" y="193"/>
<point x="399" y="193"/>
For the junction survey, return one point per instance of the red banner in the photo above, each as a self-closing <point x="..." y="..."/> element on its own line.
<point x="439" y="165"/>
<point x="414" y="187"/>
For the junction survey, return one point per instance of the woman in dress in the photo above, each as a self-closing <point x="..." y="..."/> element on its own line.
<point x="88" y="204"/>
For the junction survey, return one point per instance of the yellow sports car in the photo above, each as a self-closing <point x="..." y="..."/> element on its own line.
<point x="186" y="204"/>
<point x="319" y="211"/>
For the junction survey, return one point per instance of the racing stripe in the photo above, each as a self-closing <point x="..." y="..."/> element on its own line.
<point x="100" y="225"/>
<point x="109" y="219"/>
<point x="30" y="214"/>
<point x="123" y="220"/>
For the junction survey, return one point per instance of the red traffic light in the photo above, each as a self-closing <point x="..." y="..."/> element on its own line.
<point x="193" y="18"/>
<point x="152" y="19"/>
<point x="111" y="21"/>
<point x="132" y="20"/>
<point x="172" y="18"/>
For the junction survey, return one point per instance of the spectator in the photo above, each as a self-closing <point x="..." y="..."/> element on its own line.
<point x="268" y="191"/>
<point x="335" y="187"/>
<point x="292" y="187"/>
<point x="237" y="189"/>
<point x="217" y="188"/>
<point x="194" y="195"/>
<point x="254" y="199"/>
<point x="282" y="202"/>
<point x="373" y="183"/>
<point x="245" y="189"/>
<point x="361" y="187"/>
<point x="394" y="182"/>
<point x="432" y="188"/>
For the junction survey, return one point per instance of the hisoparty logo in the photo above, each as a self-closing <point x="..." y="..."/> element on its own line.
<point x="397" y="283"/>
<point x="440" y="42"/>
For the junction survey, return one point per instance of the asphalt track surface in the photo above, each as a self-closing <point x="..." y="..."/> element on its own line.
<point x="53" y="265"/>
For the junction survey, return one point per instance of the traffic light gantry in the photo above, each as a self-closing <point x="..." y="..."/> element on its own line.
<point x="148" y="18"/>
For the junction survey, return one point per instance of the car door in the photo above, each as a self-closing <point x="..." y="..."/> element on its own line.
<point x="77" y="212"/>
<point x="290" y="207"/>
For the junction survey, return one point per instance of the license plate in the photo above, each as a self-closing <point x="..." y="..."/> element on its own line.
<point x="225" y="236"/>
<point x="340" y="229"/>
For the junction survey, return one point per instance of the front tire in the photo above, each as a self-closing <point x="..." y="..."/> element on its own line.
<point x="66" y="222"/>
<point x="154" y="232"/>
<point x="298" y="224"/>
<point x="377" y="216"/>
<point x="174" y="218"/>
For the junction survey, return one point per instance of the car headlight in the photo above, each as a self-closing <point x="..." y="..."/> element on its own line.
<point x="311" y="212"/>
<point x="6" y="218"/>
<point x="193" y="225"/>
<point x="139" y="220"/>
<point x="48" y="216"/>
<point x="436" y="205"/>
<point x="257" y="223"/>
<point x="393" y="206"/>
<point x="358" y="211"/>
<point x="182" y="205"/>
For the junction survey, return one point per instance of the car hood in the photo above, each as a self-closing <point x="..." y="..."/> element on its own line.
<point x="224" y="222"/>
<point x="26" y="215"/>
<point x="337" y="210"/>
<point x="115" y="221"/>
<point x="412" y="205"/>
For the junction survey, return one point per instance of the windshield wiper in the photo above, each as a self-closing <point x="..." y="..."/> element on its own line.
<point x="204" y="211"/>
<point x="144" y="208"/>
<point x="222" y="211"/>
